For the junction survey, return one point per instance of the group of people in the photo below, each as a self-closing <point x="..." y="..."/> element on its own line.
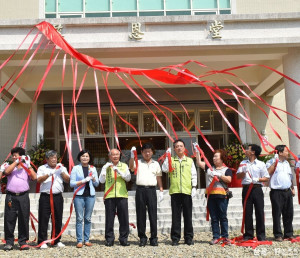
<point x="114" y="174"/>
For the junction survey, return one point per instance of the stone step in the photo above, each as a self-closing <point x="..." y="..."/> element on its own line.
<point x="164" y="212"/>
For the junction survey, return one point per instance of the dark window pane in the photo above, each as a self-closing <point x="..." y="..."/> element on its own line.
<point x="218" y="126"/>
<point x="49" y="124"/>
<point x="205" y="122"/>
<point x="97" y="15"/>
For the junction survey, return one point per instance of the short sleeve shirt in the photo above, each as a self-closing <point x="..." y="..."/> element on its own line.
<point x="282" y="176"/>
<point x="255" y="169"/>
<point x="147" y="172"/>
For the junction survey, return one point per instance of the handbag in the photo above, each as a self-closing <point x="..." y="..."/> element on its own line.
<point x="228" y="192"/>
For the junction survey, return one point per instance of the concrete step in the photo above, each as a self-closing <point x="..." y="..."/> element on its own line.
<point x="234" y="212"/>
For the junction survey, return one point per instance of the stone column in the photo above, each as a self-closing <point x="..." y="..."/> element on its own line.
<point x="291" y="68"/>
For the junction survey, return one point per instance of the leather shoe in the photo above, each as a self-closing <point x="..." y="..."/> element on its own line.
<point x="124" y="243"/>
<point x="175" y="243"/>
<point x="7" y="247"/>
<point x="189" y="242"/>
<point x="88" y="243"/>
<point x="153" y="243"/>
<point x="109" y="243"/>
<point x="142" y="243"/>
<point x="278" y="239"/>
<point x="79" y="245"/>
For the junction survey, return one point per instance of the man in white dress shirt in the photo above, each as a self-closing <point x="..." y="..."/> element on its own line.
<point x="44" y="177"/>
<point x="253" y="171"/>
<point x="148" y="176"/>
<point x="282" y="192"/>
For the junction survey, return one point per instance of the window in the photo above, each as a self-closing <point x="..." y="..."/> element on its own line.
<point x="67" y="120"/>
<point x="150" y="123"/>
<point x="130" y="117"/>
<point x="187" y="120"/>
<point x="119" y="8"/>
<point x="93" y="124"/>
<point x="211" y="120"/>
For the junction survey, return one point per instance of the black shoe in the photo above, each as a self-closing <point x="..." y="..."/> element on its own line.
<point x="154" y="243"/>
<point x="7" y="247"/>
<point x="24" y="248"/>
<point x="175" y="243"/>
<point x="124" y="243"/>
<point x="189" y="242"/>
<point x="142" y="243"/>
<point x="107" y="243"/>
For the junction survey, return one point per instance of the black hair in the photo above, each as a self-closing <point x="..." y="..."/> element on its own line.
<point x="18" y="150"/>
<point x="280" y="148"/>
<point x="84" y="152"/>
<point x="256" y="149"/>
<point x="147" y="145"/>
<point x="178" y="140"/>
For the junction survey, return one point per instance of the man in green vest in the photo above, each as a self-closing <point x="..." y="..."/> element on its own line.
<point x="115" y="174"/>
<point x="183" y="181"/>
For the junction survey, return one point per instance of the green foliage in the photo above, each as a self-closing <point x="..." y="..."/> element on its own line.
<point x="37" y="153"/>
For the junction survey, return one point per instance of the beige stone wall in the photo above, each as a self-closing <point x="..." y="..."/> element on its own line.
<point x="261" y="123"/>
<point x="266" y="6"/>
<point x="19" y="9"/>
<point x="10" y="126"/>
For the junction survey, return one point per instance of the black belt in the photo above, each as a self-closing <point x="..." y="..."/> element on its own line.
<point x="254" y="185"/>
<point x="282" y="190"/>
<point x="16" y="194"/>
<point x="146" y="186"/>
<point x="46" y="194"/>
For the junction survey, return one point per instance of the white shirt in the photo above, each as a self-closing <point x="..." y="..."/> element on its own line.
<point x="257" y="169"/>
<point x="282" y="177"/>
<point x="58" y="186"/>
<point x="147" y="172"/>
<point x="165" y="168"/>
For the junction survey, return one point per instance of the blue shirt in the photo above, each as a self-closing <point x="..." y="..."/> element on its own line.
<point x="282" y="176"/>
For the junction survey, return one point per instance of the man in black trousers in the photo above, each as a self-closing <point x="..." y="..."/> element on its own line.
<point x="148" y="176"/>
<point x="44" y="177"/>
<point x="282" y="192"/>
<point x="253" y="171"/>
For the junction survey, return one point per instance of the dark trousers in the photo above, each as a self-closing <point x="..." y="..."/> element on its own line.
<point x="20" y="209"/>
<point x="256" y="199"/>
<point x="119" y="206"/>
<point x="145" y="198"/>
<point x="282" y="203"/>
<point x="181" y="203"/>
<point x="218" y="213"/>
<point x="45" y="213"/>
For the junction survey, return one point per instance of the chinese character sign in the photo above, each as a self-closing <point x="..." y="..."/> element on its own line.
<point x="136" y="32"/>
<point x="215" y="28"/>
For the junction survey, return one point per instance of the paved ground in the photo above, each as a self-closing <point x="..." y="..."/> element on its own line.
<point x="200" y="249"/>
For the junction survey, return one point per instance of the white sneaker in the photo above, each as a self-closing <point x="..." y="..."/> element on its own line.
<point x="44" y="246"/>
<point x="60" y="244"/>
